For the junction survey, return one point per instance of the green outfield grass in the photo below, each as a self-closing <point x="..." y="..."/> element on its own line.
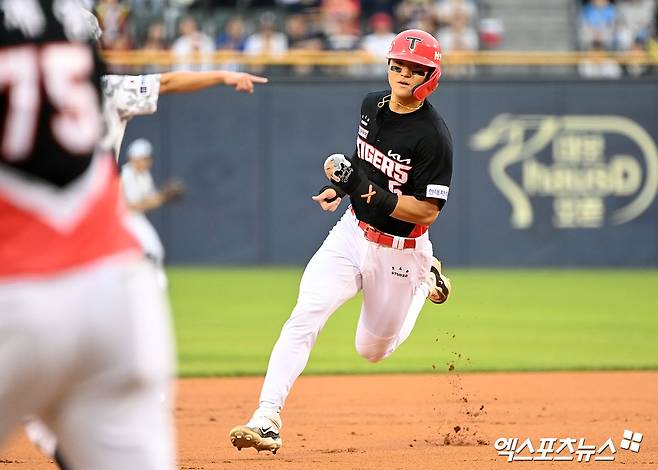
<point x="227" y="321"/>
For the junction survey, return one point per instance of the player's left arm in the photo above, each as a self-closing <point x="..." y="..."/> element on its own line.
<point x="410" y="209"/>
<point x="182" y="81"/>
<point x="431" y="178"/>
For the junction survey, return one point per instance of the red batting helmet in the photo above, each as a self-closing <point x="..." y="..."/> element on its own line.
<point x="419" y="47"/>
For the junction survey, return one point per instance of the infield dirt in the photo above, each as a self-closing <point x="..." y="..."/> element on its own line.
<point x="429" y="421"/>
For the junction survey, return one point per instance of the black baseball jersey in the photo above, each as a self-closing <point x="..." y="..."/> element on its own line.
<point x="50" y="119"/>
<point x="408" y="154"/>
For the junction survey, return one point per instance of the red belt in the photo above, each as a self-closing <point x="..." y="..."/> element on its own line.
<point x="381" y="238"/>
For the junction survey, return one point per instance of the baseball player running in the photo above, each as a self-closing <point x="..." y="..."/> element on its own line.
<point x="85" y="339"/>
<point x="398" y="180"/>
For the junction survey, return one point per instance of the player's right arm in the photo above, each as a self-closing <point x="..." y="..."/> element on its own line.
<point x="182" y="82"/>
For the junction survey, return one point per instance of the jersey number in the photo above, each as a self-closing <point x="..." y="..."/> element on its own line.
<point x="393" y="187"/>
<point x="64" y="70"/>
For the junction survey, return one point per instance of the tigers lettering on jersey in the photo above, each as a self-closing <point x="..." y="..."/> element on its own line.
<point x="391" y="168"/>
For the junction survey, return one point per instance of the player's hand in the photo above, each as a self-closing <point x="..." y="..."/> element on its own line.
<point x="325" y="195"/>
<point x="243" y="81"/>
<point x="339" y="170"/>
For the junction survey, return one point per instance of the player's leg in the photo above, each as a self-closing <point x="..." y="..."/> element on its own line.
<point x="394" y="292"/>
<point x="331" y="277"/>
<point x="117" y="414"/>
<point x="150" y="242"/>
<point x="35" y="347"/>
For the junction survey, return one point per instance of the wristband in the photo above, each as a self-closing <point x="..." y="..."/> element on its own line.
<point x="375" y="196"/>
<point x="339" y="193"/>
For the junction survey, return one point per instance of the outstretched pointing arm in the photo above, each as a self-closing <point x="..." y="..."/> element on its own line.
<point x="181" y="82"/>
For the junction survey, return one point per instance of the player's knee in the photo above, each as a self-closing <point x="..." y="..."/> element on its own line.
<point x="372" y="352"/>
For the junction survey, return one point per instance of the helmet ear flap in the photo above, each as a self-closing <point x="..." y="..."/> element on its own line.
<point x="426" y="88"/>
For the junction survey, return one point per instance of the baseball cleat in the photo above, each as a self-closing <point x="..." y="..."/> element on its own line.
<point x="440" y="285"/>
<point x="258" y="438"/>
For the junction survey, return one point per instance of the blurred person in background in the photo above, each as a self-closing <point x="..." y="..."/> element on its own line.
<point x="155" y="42"/>
<point x="637" y="55"/>
<point x="599" y="64"/>
<point x="371" y="7"/>
<point x="142" y="196"/>
<point x="156" y="38"/>
<point x="233" y="35"/>
<point x="446" y="9"/>
<point x="268" y="40"/>
<point x="458" y="36"/>
<point x="113" y="17"/>
<point x="298" y="6"/>
<point x="339" y="15"/>
<point x="85" y="334"/>
<point x="635" y="22"/>
<point x="190" y="44"/>
<point x="301" y="38"/>
<point x="378" y="41"/>
<point x="598" y="21"/>
<point x="420" y="14"/>
<point x="232" y="38"/>
<point x="345" y="37"/>
<point x="154" y="7"/>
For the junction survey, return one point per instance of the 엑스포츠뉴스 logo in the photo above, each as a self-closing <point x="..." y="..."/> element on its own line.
<point x="594" y="169"/>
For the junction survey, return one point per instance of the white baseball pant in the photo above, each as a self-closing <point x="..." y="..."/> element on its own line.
<point x="90" y="352"/>
<point x="395" y="285"/>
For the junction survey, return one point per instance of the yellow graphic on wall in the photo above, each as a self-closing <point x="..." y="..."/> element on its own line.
<point x="581" y="173"/>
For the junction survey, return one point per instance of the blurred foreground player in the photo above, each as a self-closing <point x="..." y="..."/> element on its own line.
<point x="85" y="339"/>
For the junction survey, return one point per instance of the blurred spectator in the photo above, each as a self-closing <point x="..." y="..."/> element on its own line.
<point x="417" y="14"/>
<point x="636" y="56"/>
<point x="150" y="6"/>
<point x="345" y="36"/>
<point x="378" y="42"/>
<point x="298" y="6"/>
<point x="113" y="19"/>
<point x="635" y="19"/>
<point x="267" y="40"/>
<point x="446" y="9"/>
<point x="233" y="37"/>
<point x="192" y="41"/>
<point x="599" y="64"/>
<point x="302" y="39"/>
<point x="155" y="42"/>
<point x="597" y="24"/>
<point x="458" y="35"/>
<point x="491" y="33"/>
<point x="155" y="38"/>
<point x="370" y="7"/>
<point x="341" y="17"/>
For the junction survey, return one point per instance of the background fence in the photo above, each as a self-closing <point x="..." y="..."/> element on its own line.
<point x="546" y="173"/>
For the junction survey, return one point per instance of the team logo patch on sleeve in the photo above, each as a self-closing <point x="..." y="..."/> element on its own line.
<point x="363" y="132"/>
<point x="437" y="191"/>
